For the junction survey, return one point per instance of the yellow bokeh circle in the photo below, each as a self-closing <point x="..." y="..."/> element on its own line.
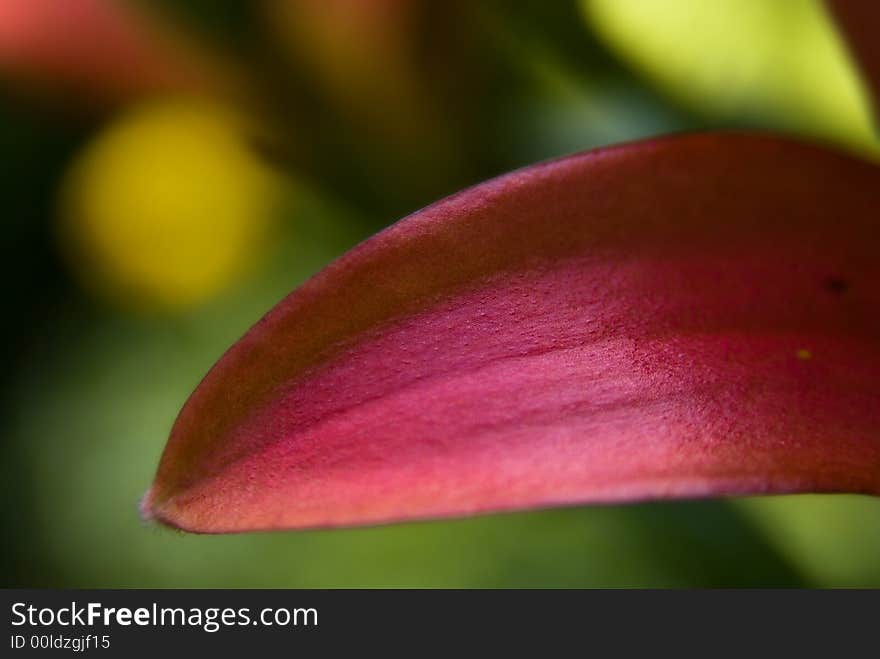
<point x="167" y="205"/>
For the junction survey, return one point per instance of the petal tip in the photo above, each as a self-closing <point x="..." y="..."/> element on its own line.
<point x="154" y="513"/>
<point x="146" y="506"/>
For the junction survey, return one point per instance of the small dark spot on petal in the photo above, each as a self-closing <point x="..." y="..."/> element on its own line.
<point x="836" y="285"/>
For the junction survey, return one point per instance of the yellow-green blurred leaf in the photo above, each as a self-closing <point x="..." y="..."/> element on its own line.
<point x="779" y="63"/>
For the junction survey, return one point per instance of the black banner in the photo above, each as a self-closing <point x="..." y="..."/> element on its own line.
<point x="136" y="622"/>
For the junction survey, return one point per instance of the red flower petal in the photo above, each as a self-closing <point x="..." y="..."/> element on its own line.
<point x="102" y="46"/>
<point x="677" y="318"/>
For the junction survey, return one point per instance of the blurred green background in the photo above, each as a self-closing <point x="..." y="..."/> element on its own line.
<point x="171" y="169"/>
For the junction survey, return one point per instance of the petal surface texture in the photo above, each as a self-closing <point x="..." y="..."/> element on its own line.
<point x="685" y="317"/>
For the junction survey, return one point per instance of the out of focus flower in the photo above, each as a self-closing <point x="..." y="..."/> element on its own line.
<point x="368" y="61"/>
<point x="361" y="54"/>
<point x="781" y="62"/>
<point x="167" y="206"/>
<point x="109" y="49"/>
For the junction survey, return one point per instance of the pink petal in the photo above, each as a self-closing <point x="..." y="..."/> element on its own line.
<point x="686" y="317"/>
